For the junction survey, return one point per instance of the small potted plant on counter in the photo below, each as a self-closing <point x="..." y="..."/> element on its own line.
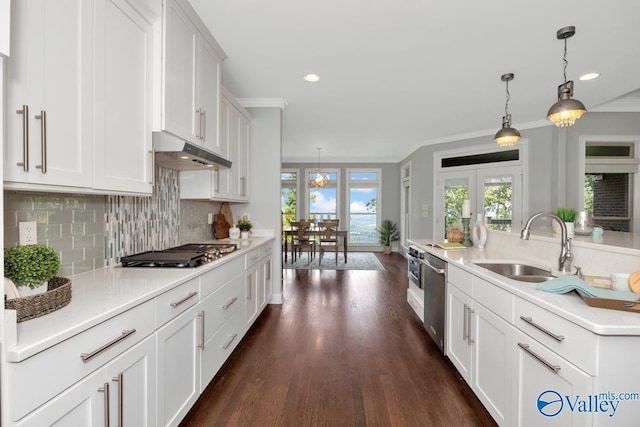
<point x="568" y="215"/>
<point x="31" y="267"/>
<point x="245" y="228"/>
<point x="387" y="233"/>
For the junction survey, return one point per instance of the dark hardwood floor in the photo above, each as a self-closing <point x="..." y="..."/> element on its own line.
<point x="344" y="349"/>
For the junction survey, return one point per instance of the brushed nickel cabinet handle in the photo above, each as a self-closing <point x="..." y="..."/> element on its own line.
<point x="203" y="119"/>
<point x="43" y="141"/>
<point x="249" y="287"/>
<point x="25" y="138"/>
<point x="530" y="321"/>
<point x="105" y="389"/>
<point x="153" y="166"/>
<point x="243" y="186"/>
<point x="201" y="316"/>
<point x="465" y="324"/>
<point x="469" y="316"/>
<point x="216" y="189"/>
<point x="227" y="305"/>
<point x="88" y="356"/>
<point x="199" y="123"/>
<point x="229" y="341"/>
<point x="183" y="300"/>
<point x="120" y="380"/>
<point x="549" y="366"/>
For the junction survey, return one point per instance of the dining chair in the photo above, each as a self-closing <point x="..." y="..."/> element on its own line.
<point x="302" y="241"/>
<point x="328" y="239"/>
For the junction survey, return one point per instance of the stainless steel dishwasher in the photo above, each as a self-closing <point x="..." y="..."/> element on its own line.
<point x="433" y="277"/>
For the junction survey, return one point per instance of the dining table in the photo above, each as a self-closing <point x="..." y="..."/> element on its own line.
<point x="312" y="232"/>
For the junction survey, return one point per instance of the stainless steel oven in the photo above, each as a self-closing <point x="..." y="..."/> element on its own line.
<point x="414" y="271"/>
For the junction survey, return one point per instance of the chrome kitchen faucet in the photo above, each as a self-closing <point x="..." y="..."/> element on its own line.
<point x="564" y="262"/>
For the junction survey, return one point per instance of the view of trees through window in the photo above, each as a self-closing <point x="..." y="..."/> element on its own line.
<point x="363" y="206"/>
<point x="498" y="203"/>
<point x="288" y="198"/>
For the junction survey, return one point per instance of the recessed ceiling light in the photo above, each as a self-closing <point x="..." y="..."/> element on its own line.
<point x="312" y="77"/>
<point x="589" y="76"/>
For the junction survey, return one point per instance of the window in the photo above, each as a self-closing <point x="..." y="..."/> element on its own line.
<point x="364" y="197"/>
<point x="608" y="184"/>
<point x="323" y="202"/>
<point x="491" y="180"/>
<point x="288" y="197"/>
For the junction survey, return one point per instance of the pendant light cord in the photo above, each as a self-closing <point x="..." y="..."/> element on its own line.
<point x="564" y="58"/>
<point x="506" y="105"/>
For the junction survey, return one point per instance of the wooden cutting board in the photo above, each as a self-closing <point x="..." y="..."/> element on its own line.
<point x="634" y="282"/>
<point x="221" y="227"/>
<point x="228" y="215"/>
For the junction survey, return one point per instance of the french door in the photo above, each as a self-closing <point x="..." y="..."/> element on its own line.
<point x="496" y="192"/>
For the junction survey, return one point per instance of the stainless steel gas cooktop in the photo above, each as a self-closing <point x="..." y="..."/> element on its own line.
<point x="184" y="256"/>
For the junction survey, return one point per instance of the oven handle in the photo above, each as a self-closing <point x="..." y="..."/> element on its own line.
<point x="437" y="270"/>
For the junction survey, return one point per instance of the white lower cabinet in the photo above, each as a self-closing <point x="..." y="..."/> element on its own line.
<point x="178" y="366"/>
<point x="148" y="365"/>
<point x="222" y="329"/>
<point x="546" y="385"/>
<point x="479" y="346"/>
<point x="458" y="342"/>
<point x="121" y="393"/>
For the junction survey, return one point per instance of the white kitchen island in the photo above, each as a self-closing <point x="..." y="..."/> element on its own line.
<point x="537" y="358"/>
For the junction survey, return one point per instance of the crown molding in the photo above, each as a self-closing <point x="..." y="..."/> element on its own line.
<point x="263" y="102"/>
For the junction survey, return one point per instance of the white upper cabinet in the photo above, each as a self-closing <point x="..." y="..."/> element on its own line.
<point x="191" y="78"/>
<point x="123" y="156"/>
<point x="224" y="184"/>
<point x="79" y="90"/>
<point x="5" y="36"/>
<point x="49" y="97"/>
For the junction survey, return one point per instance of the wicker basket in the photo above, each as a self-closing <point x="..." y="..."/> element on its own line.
<point x="57" y="296"/>
<point x="454" y="235"/>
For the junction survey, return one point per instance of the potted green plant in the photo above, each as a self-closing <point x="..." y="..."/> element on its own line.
<point x="30" y="267"/>
<point x="245" y="228"/>
<point x="387" y="233"/>
<point x="568" y="215"/>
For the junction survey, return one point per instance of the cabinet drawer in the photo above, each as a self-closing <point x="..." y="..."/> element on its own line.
<point x="177" y="300"/>
<point x="214" y="279"/>
<point x="494" y="298"/>
<point x="416" y="304"/>
<point x="460" y="278"/>
<point x="266" y="250"/>
<point x="220" y="306"/>
<point x="569" y="340"/>
<point x="42" y="376"/>
<point x="220" y="346"/>
<point x="251" y="258"/>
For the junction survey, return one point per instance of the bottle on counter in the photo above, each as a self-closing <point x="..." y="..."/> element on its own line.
<point x="234" y="232"/>
<point x="479" y="232"/>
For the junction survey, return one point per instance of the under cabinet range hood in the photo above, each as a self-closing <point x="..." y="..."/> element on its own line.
<point x="173" y="152"/>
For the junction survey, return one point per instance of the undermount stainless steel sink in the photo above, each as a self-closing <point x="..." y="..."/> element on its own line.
<point x="517" y="271"/>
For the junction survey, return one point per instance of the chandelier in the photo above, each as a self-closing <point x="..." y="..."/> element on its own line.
<point x="507" y="136"/>
<point x="320" y="180"/>
<point x="566" y="111"/>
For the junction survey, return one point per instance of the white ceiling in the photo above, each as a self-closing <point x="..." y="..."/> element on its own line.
<point x="396" y="75"/>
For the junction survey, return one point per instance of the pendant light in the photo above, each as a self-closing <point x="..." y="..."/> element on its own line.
<point x="319" y="181"/>
<point x="507" y="136"/>
<point x="566" y="111"/>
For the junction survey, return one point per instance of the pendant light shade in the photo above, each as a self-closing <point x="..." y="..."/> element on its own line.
<point x="507" y="136"/>
<point x="319" y="181"/>
<point x="566" y="111"/>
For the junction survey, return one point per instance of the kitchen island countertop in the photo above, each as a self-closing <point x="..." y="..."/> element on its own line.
<point x="569" y="306"/>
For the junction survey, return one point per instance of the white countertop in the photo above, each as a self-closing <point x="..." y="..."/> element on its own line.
<point x="570" y="306"/>
<point x="101" y="294"/>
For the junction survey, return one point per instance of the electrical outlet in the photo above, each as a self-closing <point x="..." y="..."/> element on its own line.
<point x="27" y="233"/>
